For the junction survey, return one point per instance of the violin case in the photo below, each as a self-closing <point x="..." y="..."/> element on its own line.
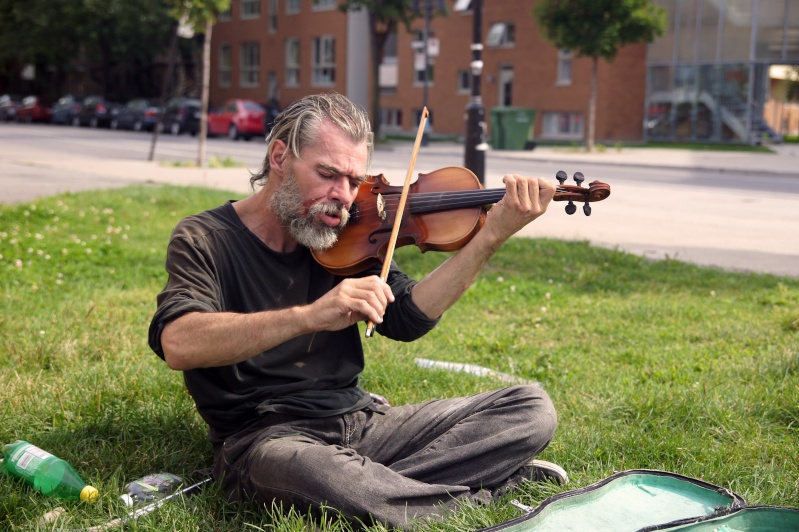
<point x="640" y="500"/>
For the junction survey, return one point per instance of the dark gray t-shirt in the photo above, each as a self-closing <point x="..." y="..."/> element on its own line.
<point x="216" y="264"/>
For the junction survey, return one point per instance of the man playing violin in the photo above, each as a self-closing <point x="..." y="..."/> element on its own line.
<point x="270" y="349"/>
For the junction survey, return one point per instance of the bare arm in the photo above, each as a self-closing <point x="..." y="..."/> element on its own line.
<point x="525" y="200"/>
<point x="208" y="339"/>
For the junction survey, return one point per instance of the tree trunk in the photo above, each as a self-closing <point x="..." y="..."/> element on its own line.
<point x="592" y="104"/>
<point x="206" y="82"/>
<point x="173" y="45"/>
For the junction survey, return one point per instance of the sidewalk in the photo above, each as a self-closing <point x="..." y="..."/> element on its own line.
<point x="750" y="228"/>
<point x="785" y="160"/>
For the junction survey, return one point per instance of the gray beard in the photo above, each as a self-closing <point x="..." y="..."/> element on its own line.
<point x="286" y="203"/>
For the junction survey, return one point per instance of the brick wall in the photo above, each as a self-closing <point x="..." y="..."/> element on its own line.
<point x="621" y="84"/>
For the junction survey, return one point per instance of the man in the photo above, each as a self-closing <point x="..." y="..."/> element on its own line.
<point x="271" y="352"/>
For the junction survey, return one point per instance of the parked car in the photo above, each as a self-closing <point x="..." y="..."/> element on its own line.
<point x="66" y="108"/>
<point x="95" y="112"/>
<point x="237" y="119"/>
<point x="140" y="114"/>
<point x="34" y="109"/>
<point x="182" y="115"/>
<point x="9" y="103"/>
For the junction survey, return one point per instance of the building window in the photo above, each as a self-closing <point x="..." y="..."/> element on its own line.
<point x="565" y="67"/>
<point x="225" y="66"/>
<point x="250" y="8"/>
<point x="501" y="34"/>
<point x="292" y="7"/>
<point x="272" y="23"/>
<point x="323" y="62"/>
<point x="391" y="118"/>
<point x="563" y="126"/>
<point x="324" y="5"/>
<point x="250" y="64"/>
<point x="464" y="82"/>
<point x="224" y="16"/>
<point x="293" y="63"/>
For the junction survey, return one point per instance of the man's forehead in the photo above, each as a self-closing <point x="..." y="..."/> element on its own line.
<point x="341" y="155"/>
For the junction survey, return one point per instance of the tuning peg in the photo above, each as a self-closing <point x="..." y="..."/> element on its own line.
<point x="571" y="208"/>
<point x="587" y="209"/>
<point x="579" y="178"/>
<point x="561" y="176"/>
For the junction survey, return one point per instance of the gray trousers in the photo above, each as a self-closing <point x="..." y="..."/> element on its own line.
<point x="393" y="465"/>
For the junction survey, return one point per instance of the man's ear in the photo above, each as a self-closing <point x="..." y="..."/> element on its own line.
<point x="278" y="157"/>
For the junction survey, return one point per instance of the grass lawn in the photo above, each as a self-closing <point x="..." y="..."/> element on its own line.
<point x="658" y="365"/>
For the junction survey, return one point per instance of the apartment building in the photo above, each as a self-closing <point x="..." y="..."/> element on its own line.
<point x="290" y="48"/>
<point x="704" y="80"/>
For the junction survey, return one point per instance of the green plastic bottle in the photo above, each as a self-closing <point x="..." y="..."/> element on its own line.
<point x="46" y="473"/>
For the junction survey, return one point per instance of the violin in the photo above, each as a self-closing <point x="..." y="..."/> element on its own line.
<point x="444" y="210"/>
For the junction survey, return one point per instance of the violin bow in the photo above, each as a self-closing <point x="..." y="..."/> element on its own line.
<point x="400" y="209"/>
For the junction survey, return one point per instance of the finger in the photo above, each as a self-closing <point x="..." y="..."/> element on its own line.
<point x="528" y="193"/>
<point x="511" y="189"/>
<point x="369" y="298"/>
<point x="546" y="192"/>
<point x="379" y="286"/>
<point x="387" y="291"/>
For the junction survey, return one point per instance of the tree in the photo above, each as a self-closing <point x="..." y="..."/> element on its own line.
<point x="597" y="29"/>
<point x="791" y="84"/>
<point x="115" y="41"/>
<point x="199" y="16"/>
<point x="384" y="18"/>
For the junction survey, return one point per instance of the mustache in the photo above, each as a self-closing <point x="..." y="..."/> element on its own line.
<point x="331" y="209"/>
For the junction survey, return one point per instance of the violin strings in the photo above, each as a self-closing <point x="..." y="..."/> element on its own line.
<point x="447" y="200"/>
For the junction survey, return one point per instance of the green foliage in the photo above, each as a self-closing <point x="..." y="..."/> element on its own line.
<point x="791" y="85"/>
<point x="597" y="28"/>
<point x="651" y="364"/>
<point x="198" y="13"/>
<point x="115" y="40"/>
<point x="386" y="13"/>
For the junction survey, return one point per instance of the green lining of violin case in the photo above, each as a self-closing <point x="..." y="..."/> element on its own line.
<point x="749" y="519"/>
<point x="634" y="500"/>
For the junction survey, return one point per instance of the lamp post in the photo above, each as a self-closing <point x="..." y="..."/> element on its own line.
<point x="427" y="6"/>
<point x="474" y="152"/>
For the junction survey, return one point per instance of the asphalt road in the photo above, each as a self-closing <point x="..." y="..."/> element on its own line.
<point x="734" y="219"/>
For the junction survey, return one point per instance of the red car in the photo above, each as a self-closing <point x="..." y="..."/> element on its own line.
<point x="34" y="109"/>
<point x="237" y="119"/>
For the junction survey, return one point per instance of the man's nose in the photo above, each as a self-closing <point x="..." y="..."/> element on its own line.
<point x="342" y="192"/>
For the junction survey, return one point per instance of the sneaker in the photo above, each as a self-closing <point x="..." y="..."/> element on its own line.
<point x="547" y="471"/>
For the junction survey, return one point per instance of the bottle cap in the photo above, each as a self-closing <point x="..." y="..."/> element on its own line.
<point x="127" y="499"/>
<point x="89" y="494"/>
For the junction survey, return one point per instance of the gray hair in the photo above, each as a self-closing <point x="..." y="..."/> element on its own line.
<point x="298" y="126"/>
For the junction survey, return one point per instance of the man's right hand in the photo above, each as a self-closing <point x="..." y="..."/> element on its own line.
<point x="351" y="301"/>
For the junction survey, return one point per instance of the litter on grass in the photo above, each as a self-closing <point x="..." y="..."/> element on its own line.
<point x="480" y="371"/>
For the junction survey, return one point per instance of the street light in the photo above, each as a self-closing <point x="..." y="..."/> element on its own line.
<point x="428" y="7"/>
<point x="474" y="151"/>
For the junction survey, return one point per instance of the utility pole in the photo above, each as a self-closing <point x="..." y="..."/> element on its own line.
<point x="474" y="153"/>
<point x="427" y="6"/>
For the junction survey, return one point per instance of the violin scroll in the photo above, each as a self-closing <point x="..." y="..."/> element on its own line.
<point x="596" y="191"/>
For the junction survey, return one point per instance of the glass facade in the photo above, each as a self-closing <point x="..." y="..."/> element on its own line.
<point x="707" y="76"/>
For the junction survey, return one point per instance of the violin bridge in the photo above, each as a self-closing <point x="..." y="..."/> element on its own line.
<point x="381" y="207"/>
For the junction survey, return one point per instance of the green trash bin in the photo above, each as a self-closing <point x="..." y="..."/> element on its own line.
<point x="512" y="128"/>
